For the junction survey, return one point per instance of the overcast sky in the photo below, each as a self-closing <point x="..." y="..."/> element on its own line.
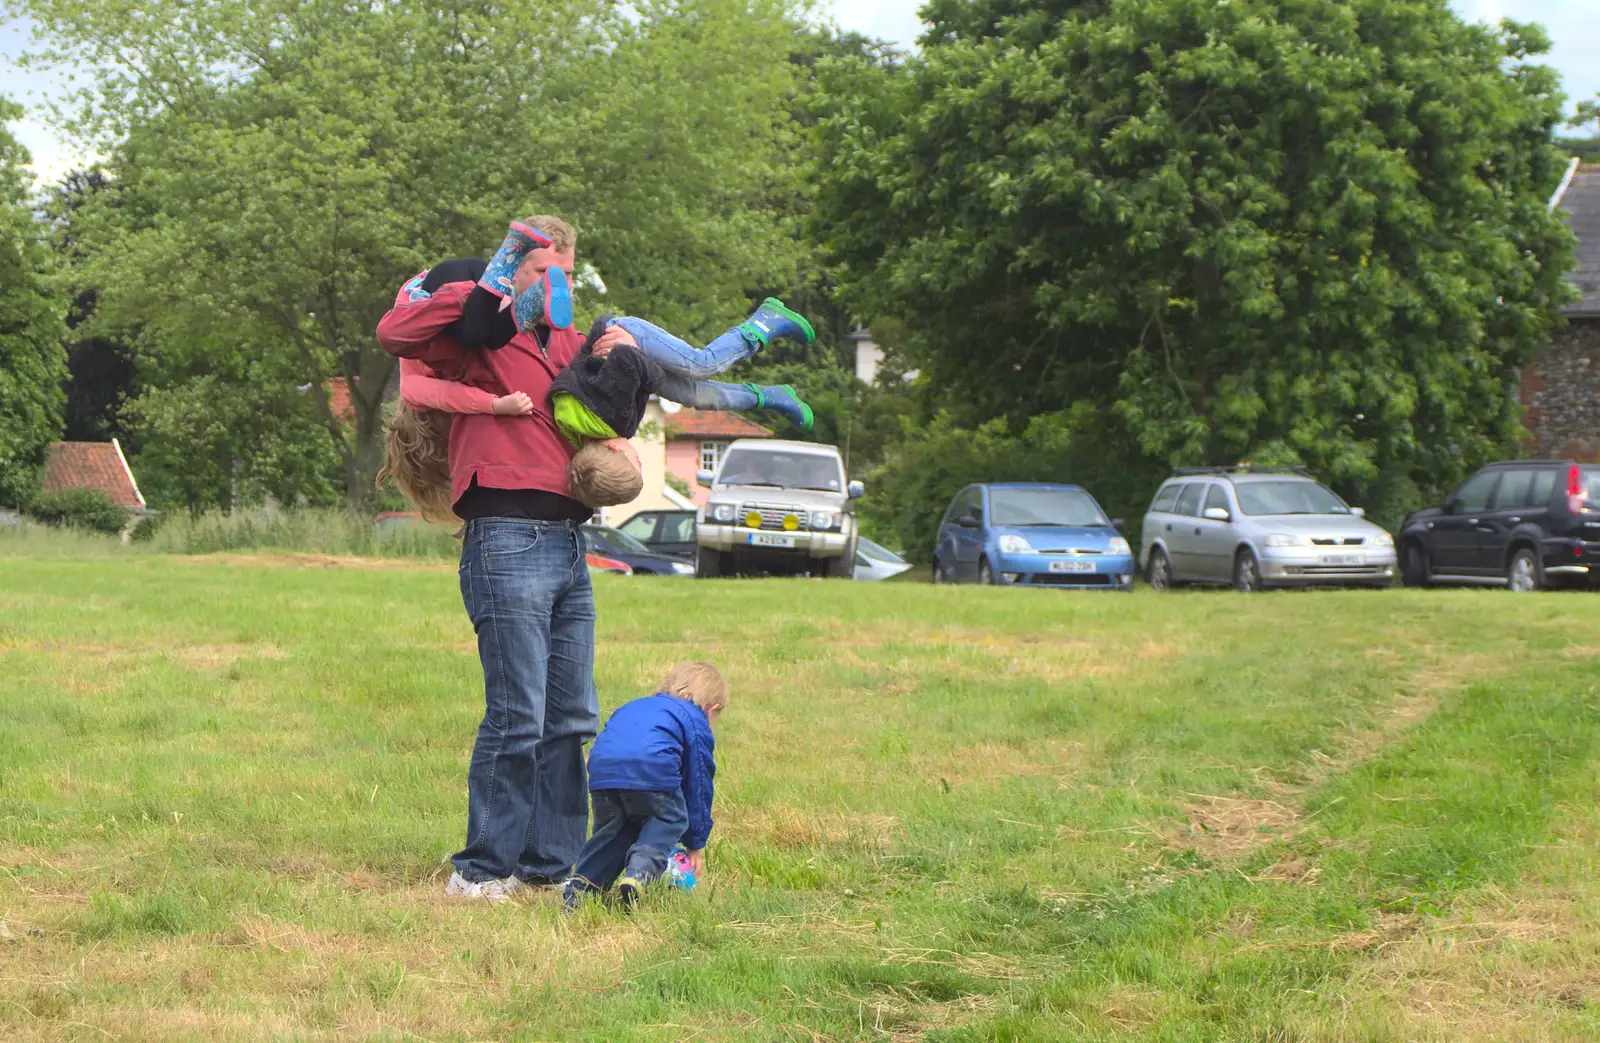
<point x="1574" y="26"/>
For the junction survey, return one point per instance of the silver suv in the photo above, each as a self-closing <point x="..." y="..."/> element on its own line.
<point x="1259" y="527"/>
<point x="777" y="506"/>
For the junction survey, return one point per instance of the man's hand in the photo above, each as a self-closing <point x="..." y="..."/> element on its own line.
<point x="514" y="404"/>
<point x="610" y="339"/>
<point x="697" y="861"/>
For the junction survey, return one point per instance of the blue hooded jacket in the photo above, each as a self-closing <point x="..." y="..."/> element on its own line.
<point x="660" y="744"/>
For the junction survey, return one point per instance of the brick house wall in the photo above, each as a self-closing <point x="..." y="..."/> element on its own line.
<point x="1561" y="394"/>
<point x="1561" y="391"/>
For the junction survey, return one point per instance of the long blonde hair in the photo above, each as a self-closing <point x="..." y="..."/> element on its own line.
<point x="416" y="449"/>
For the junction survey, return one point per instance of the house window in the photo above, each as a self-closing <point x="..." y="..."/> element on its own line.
<point x="711" y="455"/>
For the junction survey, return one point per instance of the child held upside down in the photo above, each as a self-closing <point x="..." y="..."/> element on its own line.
<point x="598" y="404"/>
<point x="494" y="312"/>
<point x="651" y="782"/>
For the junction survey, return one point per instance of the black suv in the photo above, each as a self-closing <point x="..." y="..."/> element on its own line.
<point x="1524" y="524"/>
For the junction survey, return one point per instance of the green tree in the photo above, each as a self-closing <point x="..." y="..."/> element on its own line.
<point x="281" y="167"/>
<point x="33" y="362"/>
<point x="100" y="369"/>
<point x="1307" y="231"/>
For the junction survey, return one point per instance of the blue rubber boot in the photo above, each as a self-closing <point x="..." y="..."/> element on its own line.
<point x="781" y="398"/>
<point x="519" y="242"/>
<point x="547" y="302"/>
<point x="773" y="319"/>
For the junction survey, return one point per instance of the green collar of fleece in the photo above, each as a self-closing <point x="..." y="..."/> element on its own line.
<point x="577" y="421"/>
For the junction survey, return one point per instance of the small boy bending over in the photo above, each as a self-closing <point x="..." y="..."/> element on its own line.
<point x="650" y="785"/>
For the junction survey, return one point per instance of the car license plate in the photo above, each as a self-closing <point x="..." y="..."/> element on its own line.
<point x="767" y="539"/>
<point x="1072" y="566"/>
<point x="1343" y="559"/>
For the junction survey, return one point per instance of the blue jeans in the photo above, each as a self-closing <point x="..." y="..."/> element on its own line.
<point x="633" y="830"/>
<point x="688" y="367"/>
<point x="679" y="357"/>
<point x="526" y="588"/>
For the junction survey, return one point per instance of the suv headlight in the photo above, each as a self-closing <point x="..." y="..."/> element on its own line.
<point x="1015" y="545"/>
<point x="1282" y="539"/>
<point x="683" y="568"/>
<point x="824" y="520"/>
<point x="1118" y="545"/>
<point x="722" y="512"/>
<point x="1383" y="539"/>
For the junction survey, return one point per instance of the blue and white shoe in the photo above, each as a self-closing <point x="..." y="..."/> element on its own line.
<point x="519" y="242"/>
<point x="774" y="319"/>
<point x="678" y="873"/>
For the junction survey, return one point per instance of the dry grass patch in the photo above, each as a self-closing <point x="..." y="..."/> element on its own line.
<point x="789" y="827"/>
<point x="991" y="763"/>
<point x="1227" y="827"/>
<point x="213" y="657"/>
<point x="1508" y="966"/>
<point x="285" y="560"/>
<point x="1232" y="826"/>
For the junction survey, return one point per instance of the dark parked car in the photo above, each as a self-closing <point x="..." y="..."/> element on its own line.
<point x="665" y="532"/>
<point x="1524" y="524"/>
<point x="624" y="548"/>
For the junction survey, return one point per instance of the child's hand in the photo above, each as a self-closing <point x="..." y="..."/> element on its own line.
<point x="697" y="861"/>
<point x="514" y="404"/>
<point x="610" y="339"/>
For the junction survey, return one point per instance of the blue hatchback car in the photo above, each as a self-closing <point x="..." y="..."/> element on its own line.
<point x="1031" y="534"/>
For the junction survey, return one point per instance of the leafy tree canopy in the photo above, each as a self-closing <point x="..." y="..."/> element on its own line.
<point x="280" y="167"/>
<point x="1306" y="231"/>
<point x="32" y="359"/>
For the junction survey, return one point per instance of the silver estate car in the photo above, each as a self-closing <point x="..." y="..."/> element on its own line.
<point x="1256" y="528"/>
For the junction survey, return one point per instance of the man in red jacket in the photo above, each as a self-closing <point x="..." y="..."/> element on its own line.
<point x="523" y="577"/>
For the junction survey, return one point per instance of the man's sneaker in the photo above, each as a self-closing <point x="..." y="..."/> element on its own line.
<point x="628" y="890"/>
<point x="783" y="399"/>
<point x="774" y="319"/>
<point x="482" y="890"/>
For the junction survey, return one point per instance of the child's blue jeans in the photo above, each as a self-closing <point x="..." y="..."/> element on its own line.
<point x="634" y="831"/>
<point x="677" y="356"/>
<point x="688" y="367"/>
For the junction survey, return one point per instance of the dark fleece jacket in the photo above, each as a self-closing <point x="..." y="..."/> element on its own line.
<point x="615" y="387"/>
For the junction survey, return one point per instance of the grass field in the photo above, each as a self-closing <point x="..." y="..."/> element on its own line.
<point x="228" y="787"/>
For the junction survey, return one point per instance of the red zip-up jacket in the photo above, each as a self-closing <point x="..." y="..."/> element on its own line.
<point x="501" y="452"/>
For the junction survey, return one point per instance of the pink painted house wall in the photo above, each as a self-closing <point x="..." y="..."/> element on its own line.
<point x="683" y="460"/>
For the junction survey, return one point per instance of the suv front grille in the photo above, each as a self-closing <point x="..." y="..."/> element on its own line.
<point x="772" y="514"/>
<point x="1334" y="541"/>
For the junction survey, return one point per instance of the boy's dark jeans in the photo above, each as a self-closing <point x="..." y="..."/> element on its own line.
<point x="633" y="831"/>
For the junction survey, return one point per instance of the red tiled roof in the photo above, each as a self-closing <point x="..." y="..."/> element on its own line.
<point x="92" y="465"/>
<point x="712" y="423"/>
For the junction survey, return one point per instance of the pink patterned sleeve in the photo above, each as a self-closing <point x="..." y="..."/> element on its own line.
<point x="420" y="389"/>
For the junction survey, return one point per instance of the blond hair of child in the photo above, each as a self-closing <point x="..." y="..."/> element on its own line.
<point x="699" y="683"/>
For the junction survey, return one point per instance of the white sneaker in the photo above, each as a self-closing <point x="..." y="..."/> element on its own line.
<point x="484" y="891"/>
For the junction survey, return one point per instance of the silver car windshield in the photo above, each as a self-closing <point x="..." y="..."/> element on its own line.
<point x="874" y="552"/>
<point x="1043" y="507"/>
<point x="782" y="470"/>
<point x="1288" y="498"/>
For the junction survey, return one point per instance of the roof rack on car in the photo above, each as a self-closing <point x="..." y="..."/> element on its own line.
<point x="1241" y="469"/>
